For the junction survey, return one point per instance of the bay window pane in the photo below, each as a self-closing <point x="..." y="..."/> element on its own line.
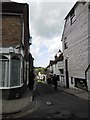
<point x="15" y="73"/>
<point x="4" y="73"/>
<point x="0" y="73"/>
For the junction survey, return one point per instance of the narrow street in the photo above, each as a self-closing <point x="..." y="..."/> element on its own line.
<point x="44" y="42"/>
<point x="57" y="104"/>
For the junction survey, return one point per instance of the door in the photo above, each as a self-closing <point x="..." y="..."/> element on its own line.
<point x="67" y="76"/>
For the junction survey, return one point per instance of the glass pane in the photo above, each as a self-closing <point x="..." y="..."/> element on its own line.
<point x="15" y="73"/>
<point x="0" y="73"/>
<point x="4" y="73"/>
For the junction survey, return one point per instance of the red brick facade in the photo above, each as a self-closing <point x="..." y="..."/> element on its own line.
<point x="15" y="34"/>
<point x="11" y="30"/>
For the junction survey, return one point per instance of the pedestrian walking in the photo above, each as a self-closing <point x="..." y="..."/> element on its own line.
<point x="31" y="81"/>
<point x="55" y="81"/>
<point x="49" y="80"/>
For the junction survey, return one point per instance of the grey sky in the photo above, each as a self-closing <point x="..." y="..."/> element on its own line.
<point x="46" y="27"/>
<point x="47" y="18"/>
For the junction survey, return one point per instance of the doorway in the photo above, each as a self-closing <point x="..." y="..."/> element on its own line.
<point x="67" y="76"/>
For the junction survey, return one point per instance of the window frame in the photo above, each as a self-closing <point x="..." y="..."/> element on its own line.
<point x="65" y="45"/>
<point x="9" y="73"/>
<point x="5" y="81"/>
<point x="72" y="80"/>
<point x="72" y="17"/>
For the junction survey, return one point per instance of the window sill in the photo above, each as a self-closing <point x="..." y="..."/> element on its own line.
<point x="11" y="87"/>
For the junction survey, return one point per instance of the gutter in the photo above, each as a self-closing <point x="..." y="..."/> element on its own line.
<point x="86" y="75"/>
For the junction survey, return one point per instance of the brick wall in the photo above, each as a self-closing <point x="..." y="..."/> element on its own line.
<point x="0" y="30"/>
<point x="11" y="30"/>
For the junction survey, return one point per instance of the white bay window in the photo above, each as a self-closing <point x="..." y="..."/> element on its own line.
<point x="11" y="70"/>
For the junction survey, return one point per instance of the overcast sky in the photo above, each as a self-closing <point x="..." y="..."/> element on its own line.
<point x="46" y="27"/>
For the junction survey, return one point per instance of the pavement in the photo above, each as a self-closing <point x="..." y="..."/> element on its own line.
<point x="76" y="92"/>
<point x="16" y="105"/>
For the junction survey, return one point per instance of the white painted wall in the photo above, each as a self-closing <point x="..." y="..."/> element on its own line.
<point x="51" y="68"/>
<point x="54" y="69"/>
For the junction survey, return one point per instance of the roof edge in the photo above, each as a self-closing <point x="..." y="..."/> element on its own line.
<point x="84" y="1"/>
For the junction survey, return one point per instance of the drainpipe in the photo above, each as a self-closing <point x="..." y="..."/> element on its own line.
<point x="86" y="75"/>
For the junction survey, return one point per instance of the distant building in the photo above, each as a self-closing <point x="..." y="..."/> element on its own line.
<point x="14" y="49"/>
<point x="56" y="67"/>
<point x="76" y="46"/>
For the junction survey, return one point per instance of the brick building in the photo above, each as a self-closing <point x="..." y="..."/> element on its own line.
<point x="14" y="49"/>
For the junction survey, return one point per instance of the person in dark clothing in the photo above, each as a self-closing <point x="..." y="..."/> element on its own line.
<point x="31" y="82"/>
<point x="55" y="81"/>
<point x="49" y="80"/>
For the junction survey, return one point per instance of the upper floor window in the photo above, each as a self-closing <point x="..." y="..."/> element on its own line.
<point x="72" y="17"/>
<point x="65" y="43"/>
